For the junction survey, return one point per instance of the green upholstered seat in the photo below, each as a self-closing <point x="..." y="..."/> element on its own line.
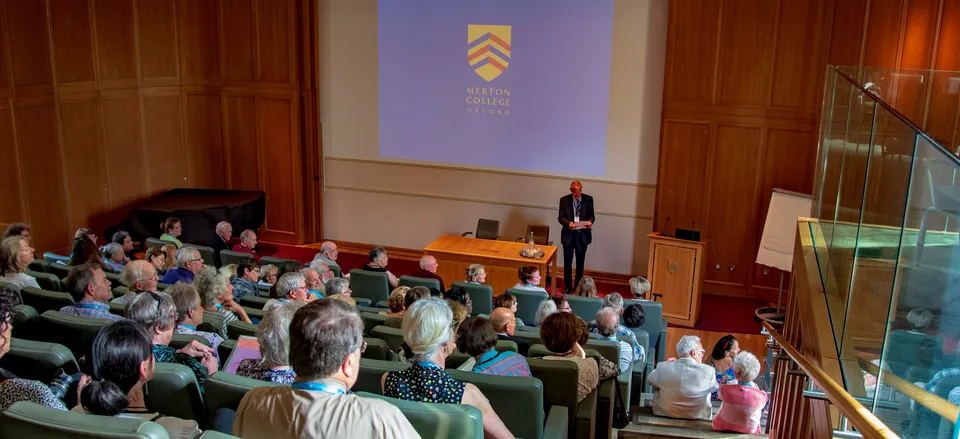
<point x="114" y="279"/>
<point x="439" y="421"/>
<point x="47" y="281"/>
<point x="45" y="300"/>
<point x="559" y="389"/>
<point x="363" y="301"/>
<point x="25" y="318"/>
<point x="12" y="287"/>
<point x="180" y="341"/>
<point x="370" y="309"/>
<point x="518" y="401"/>
<point x="206" y="253"/>
<point x="393" y="336"/>
<point x="253" y="302"/>
<point x="237" y="328"/>
<point x="225" y="390"/>
<point x="228" y="257"/>
<point x="173" y="391"/>
<point x="371" y="371"/>
<point x="255" y="313"/>
<point x="394" y="322"/>
<point x="530" y="336"/>
<point x="162" y="286"/>
<point x="337" y="272"/>
<point x="34" y="421"/>
<point x="224" y="350"/>
<point x="37" y="360"/>
<point x="154" y="242"/>
<point x="38" y="265"/>
<point x="120" y="291"/>
<point x="59" y="270"/>
<point x="377" y="349"/>
<point x="527" y="303"/>
<point x="372" y="320"/>
<point x="118" y="309"/>
<point x="213" y="322"/>
<point x="584" y="307"/>
<point x="74" y="332"/>
<point x="480" y="294"/>
<point x="655" y="326"/>
<point x="457" y="358"/>
<point x="412" y="281"/>
<point x="270" y="260"/>
<point x="263" y="289"/>
<point x="369" y="285"/>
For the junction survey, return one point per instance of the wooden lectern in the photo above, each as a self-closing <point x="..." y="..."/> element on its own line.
<point x="675" y="271"/>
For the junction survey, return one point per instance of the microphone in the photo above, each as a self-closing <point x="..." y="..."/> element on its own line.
<point x="664" y="229"/>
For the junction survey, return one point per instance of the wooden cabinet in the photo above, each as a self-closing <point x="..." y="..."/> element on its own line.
<point x="676" y="271"/>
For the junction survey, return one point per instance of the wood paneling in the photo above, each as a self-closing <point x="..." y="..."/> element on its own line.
<point x="240" y="50"/>
<point x="116" y="42"/>
<point x="83" y="160"/>
<point x="72" y="42"/>
<point x="123" y="150"/>
<point x="240" y="126"/>
<point x="163" y="141"/>
<point x="280" y="175"/>
<point x="683" y="157"/>
<point x="846" y="34"/>
<point x="275" y="44"/>
<point x="26" y="25"/>
<point x="802" y="31"/>
<point x="198" y="43"/>
<point x="40" y="162"/>
<point x="11" y="209"/>
<point x="156" y="22"/>
<point x="883" y="33"/>
<point x="691" y="51"/>
<point x="204" y="144"/>
<point x="746" y="43"/>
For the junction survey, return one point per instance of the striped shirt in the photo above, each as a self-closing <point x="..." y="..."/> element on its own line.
<point x="92" y="309"/>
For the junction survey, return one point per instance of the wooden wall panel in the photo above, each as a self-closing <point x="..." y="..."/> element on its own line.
<point x="802" y="31"/>
<point x="683" y="157"/>
<point x="281" y="175"/>
<point x="942" y="111"/>
<point x="4" y="82"/>
<point x="156" y="22"/>
<point x="691" y="51"/>
<point x="846" y="32"/>
<point x="883" y="33"/>
<point x="746" y="43"/>
<point x="276" y="40"/>
<point x="30" y="45"/>
<point x="163" y="141"/>
<point x="116" y="42"/>
<point x="83" y="161"/>
<point x="239" y="40"/>
<point x="918" y="37"/>
<point x="11" y="209"/>
<point x="72" y="42"/>
<point x="198" y="42"/>
<point x="204" y="145"/>
<point x="240" y="142"/>
<point x="123" y="150"/>
<point x="42" y="174"/>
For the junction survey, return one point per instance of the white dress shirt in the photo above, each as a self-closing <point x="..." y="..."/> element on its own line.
<point x="681" y="389"/>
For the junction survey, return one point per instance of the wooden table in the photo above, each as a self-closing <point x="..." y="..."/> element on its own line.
<point x="501" y="260"/>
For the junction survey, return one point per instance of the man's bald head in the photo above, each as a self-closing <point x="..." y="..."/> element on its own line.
<point x="429" y="263"/>
<point x="576" y="188"/>
<point x="503" y="320"/>
<point x="608" y="319"/>
<point x="329" y="250"/>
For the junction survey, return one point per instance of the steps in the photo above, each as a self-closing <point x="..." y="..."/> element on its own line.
<point x="644" y="425"/>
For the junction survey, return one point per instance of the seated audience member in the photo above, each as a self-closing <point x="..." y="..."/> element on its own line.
<point x="221" y="239"/>
<point x="633" y="316"/>
<point x="721" y="358"/>
<point x="157" y="313"/>
<point x="138" y="276"/>
<point x="414" y="294"/>
<point x="284" y="268"/>
<point x="189" y="263"/>
<point x="19" y="229"/>
<point x="681" y="388"/>
<point x="504" y="324"/>
<point x="85" y="232"/>
<point x="190" y="314"/>
<point x="85" y="252"/>
<point x="291" y="287"/>
<point x="312" y="280"/>
<point x="216" y="295"/>
<point x="529" y="279"/>
<point x="561" y="303"/>
<point x="436" y="293"/>
<point x="323" y="269"/>
<point x="245" y="283"/>
<point x="586" y="288"/>
<point x="378" y="263"/>
<point x="427" y="332"/>
<point x="920" y="320"/>
<point x="156" y="257"/>
<point x="172" y="228"/>
<point x="460" y="295"/>
<point x="268" y="275"/>
<point x="476" y="274"/>
<point x="15" y="256"/>
<point x="428" y="270"/>
<point x="338" y="285"/>
<point x="90" y="289"/>
<point x="273" y="335"/>
<point x="328" y="254"/>
<point x="126" y="242"/>
<point x="345" y="299"/>
<point x="121" y="361"/>
<point x="546" y="308"/>
<point x="248" y="242"/>
<point x="509" y="301"/>
<point x="12" y="388"/>
<point x="743" y="402"/>
<point x="615" y="301"/>
<point x="607" y="321"/>
<point x="639" y="287"/>
<point x="564" y="335"/>
<point x="113" y="257"/>
<point x="170" y="261"/>
<point x="323" y="408"/>
<point x="477" y="338"/>
<point x="395" y="302"/>
<point x="459" y="313"/>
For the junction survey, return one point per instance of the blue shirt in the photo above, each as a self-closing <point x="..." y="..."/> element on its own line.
<point x="178" y="275"/>
<point x="92" y="309"/>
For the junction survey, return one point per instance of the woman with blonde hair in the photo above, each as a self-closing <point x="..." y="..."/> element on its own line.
<point x="586" y="288"/>
<point x="216" y="295"/>
<point x="172" y="228"/>
<point x="15" y="255"/>
<point x="171" y="251"/>
<point x="157" y="258"/>
<point x="639" y="287"/>
<point x="395" y="302"/>
<point x="476" y="274"/>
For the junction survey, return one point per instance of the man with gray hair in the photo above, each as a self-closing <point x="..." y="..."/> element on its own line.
<point x="90" y="290"/>
<point x="248" y="242"/>
<point x="682" y="388"/>
<point x="607" y="321"/>
<point x="189" y="264"/>
<point x="138" y="276"/>
<point x="114" y="257"/>
<point x="190" y="314"/>
<point x="338" y="285"/>
<point x="291" y="287"/>
<point x="615" y="302"/>
<point x="428" y="270"/>
<point x="326" y="341"/>
<point x="316" y="275"/>
<point x="328" y="253"/>
<point x="221" y="241"/>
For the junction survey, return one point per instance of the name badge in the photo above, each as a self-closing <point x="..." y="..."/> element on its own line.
<point x="576" y="219"/>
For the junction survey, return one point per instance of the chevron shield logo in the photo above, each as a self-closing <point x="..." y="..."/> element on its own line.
<point x="488" y="49"/>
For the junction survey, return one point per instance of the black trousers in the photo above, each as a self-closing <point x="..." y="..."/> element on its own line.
<point x="579" y="249"/>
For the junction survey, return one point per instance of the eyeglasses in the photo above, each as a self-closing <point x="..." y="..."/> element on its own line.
<point x="363" y="346"/>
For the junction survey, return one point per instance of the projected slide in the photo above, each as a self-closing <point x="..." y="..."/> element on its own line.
<point x="503" y="83"/>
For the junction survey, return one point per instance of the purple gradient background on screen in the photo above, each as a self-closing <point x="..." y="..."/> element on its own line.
<point x="558" y="77"/>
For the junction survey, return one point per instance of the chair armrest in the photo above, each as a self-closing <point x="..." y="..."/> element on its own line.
<point x="362" y="301"/>
<point x="254" y="313"/>
<point x="558" y="422"/>
<point x="662" y="342"/>
<point x="606" y="394"/>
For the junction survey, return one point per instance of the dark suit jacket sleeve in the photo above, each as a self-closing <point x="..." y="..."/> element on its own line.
<point x="565" y="217"/>
<point x="592" y="216"/>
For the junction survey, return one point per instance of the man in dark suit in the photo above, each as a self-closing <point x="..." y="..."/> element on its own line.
<point x="504" y="324"/>
<point x="221" y="240"/>
<point x="575" y="208"/>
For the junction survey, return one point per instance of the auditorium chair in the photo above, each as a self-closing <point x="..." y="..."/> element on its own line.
<point x="237" y="328"/>
<point x="263" y="289"/>
<point x="393" y="336"/>
<point x="13" y="288"/>
<point x="59" y="270"/>
<point x="518" y="401"/>
<point x="439" y="421"/>
<point x="253" y="302"/>
<point x="368" y="380"/>
<point x="38" y="265"/>
<point x="74" y="332"/>
<point x="372" y="320"/>
<point x="541" y="234"/>
<point x="224" y="351"/>
<point x="206" y="253"/>
<point x="480" y="294"/>
<point x="120" y="291"/>
<point x="31" y="420"/>
<point x="154" y="242"/>
<point x="486" y="229"/>
<point x="228" y="257"/>
<point x="162" y="286"/>
<point x="527" y="303"/>
<point x="655" y="327"/>
<point x="370" y="285"/>
<point x="457" y="358"/>
<point x="114" y="279"/>
<point x="225" y="390"/>
<point x="270" y="260"/>
<point x="377" y="350"/>
<point x="45" y="300"/>
<point x="559" y="380"/>
<point x="254" y="313"/>
<point x="174" y="391"/>
<point x="584" y="307"/>
<point x="46" y="281"/>
<point x="180" y="341"/>
<point x="118" y="309"/>
<point x="25" y="319"/>
<point x="394" y="322"/>
<point x="337" y="272"/>
<point x="212" y="322"/>
<point x="413" y="281"/>
<point x="369" y="309"/>
<point x="37" y="360"/>
<point x="53" y="257"/>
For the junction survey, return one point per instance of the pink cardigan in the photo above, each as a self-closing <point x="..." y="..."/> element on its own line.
<point x="741" y="409"/>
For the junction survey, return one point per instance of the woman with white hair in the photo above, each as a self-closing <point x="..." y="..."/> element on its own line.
<point x="743" y="403"/>
<point x="216" y="295"/>
<point x="113" y="257"/>
<point x="427" y="331"/>
<point x="15" y="256"/>
<point x="546" y="308"/>
<point x="273" y="335"/>
<point x="476" y="274"/>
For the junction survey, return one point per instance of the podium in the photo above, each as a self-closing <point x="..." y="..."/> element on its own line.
<point x="675" y="270"/>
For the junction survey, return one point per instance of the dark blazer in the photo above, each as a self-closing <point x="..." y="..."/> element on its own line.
<point x="217" y="244"/>
<point x="565" y="217"/>
<point x="523" y="346"/>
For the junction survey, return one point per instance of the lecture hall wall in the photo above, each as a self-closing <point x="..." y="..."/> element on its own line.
<point x="106" y="102"/>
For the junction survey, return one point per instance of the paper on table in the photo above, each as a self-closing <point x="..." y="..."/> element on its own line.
<point x="580" y="225"/>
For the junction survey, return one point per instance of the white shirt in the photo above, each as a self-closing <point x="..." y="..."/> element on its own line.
<point x="525" y="287"/>
<point x="20" y="280"/>
<point x="681" y="389"/>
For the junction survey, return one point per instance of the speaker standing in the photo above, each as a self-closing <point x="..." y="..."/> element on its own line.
<point x="576" y="219"/>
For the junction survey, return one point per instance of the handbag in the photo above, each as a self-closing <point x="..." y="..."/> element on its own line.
<point x="621" y="417"/>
